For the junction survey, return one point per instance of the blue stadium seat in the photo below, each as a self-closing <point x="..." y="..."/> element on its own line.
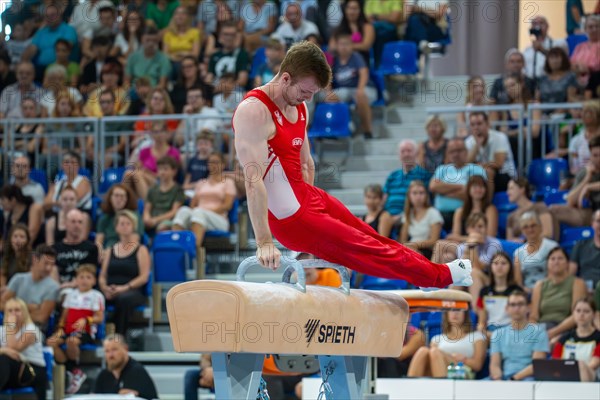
<point x="509" y="247"/>
<point x="504" y="209"/>
<point x="82" y="171"/>
<point x="375" y="283"/>
<point x="574" y="40"/>
<point x="110" y="176"/>
<point x="570" y="236"/>
<point x="330" y="121"/>
<point x="546" y="173"/>
<point x="558" y="197"/>
<point x="399" y="58"/>
<point x="39" y="176"/>
<point x="173" y="256"/>
<point x="233" y="217"/>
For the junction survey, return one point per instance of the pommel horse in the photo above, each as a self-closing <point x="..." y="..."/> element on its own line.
<point x="240" y="322"/>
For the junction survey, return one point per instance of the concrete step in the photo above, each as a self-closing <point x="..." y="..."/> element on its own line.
<point x="358" y="180"/>
<point x="350" y="197"/>
<point x="373" y="162"/>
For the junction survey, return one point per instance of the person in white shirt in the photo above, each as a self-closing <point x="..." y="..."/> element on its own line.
<point x="20" y="177"/>
<point x="535" y="55"/>
<point x="295" y="28"/>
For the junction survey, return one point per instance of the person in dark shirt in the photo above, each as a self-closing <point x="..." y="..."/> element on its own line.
<point x="7" y="77"/>
<point x="197" y="167"/>
<point x="123" y="374"/>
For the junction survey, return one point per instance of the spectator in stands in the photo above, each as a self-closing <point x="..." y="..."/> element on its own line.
<point x="385" y="17"/>
<point x="141" y="90"/>
<point x="421" y="223"/>
<point x="130" y="38"/>
<point x="519" y="193"/>
<point x="378" y="218"/>
<point x="586" y="187"/>
<point x="107" y="16"/>
<point x="123" y="374"/>
<point x="457" y="343"/>
<point x="119" y="197"/>
<point x="579" y="146"/>
<point x="189" y="77"/>
<point x="159" y="13"/>
<point x="558" y="84"/>
<point x="63" y="48"/>
<point x="29" y="135"/>
<point x="553" y="297"/>
<point x="212" y="12"/>
<point x="125" y="271"/>
<point x="491" y="302"/>
<point x="197" y="105"/>
<point x="476" y="96"/>
<point x="592" y="89"/>
<point x="396" y="184"/>
<point x="91" y="77"/>
<point x="228" y="96"/>
<point x="54" y="87"/>
<point x="536" y="55"/>
<point x="74" y="250"/>
<point x="432" y="152"/>
<point x="515" y="64"/>
<point x="85" y="16"/>
<point x="12" y="95"/>
<point x="427" y="22"/>
<point x="583" y="342"/>
<point x="56" y="223"/>
<point x="82" y="311"/>
<point x="201" y="377"/>
<point x="513" y="347"/>
<point x="230" y="58"/>
<point x="295" y="28"/>
<point x="7" y="75"/>
<point x="585" y="257"/>
<point x="274" y="53"/>
<point x="157" y="102"/>
<point x="258" y="19"/>
<point x="148" y="61"/>
<point x="111" y="77"/>
<point x="585" y="57"/>
<point x="19" y="41"/>
<point x="213" y="198"/>
<point x="361" y="30"/>
<point x="71" y="163"/>
<point x="530" y="258"/>
<point x="16" y="254"/>
<point x="197" y="167"/>
<point x="449" y="180"/>
<point x="36" y="288"/>
<point x="20" y="177"/>
<point x="164" y="198"/>
<point x="490" y="149"/>
<point x="414" y="339"/>
<point x="574" y="13"/>
<point x="21" y="356"/>
<point x="18" y="208"/>
<point x="181" y="39"/>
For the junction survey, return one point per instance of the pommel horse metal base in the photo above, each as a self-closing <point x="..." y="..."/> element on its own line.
<point x="222" y="317"/>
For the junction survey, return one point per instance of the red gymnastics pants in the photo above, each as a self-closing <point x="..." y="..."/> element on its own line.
<point x="324" y="227"/>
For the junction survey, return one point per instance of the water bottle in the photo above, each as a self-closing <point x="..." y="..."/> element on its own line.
<point x="460" y="372"/>
<point x="451" y="371"/>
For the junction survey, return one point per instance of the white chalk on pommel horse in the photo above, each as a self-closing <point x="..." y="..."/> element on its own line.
<point x="240" y="322"/>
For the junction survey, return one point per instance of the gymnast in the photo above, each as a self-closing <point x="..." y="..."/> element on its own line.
<point x="272" y="145"/>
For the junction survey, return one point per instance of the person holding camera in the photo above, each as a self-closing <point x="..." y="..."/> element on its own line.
<point x="541" y="42"/>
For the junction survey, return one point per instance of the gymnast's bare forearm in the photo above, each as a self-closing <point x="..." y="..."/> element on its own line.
<point x="256" y="193"/>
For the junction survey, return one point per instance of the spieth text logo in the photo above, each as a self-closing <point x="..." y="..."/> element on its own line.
<point x="328" y="333"/>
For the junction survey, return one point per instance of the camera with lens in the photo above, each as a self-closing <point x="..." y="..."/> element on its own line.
<point x="535" y="31"/>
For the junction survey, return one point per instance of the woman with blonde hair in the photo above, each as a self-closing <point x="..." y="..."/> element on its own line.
<point x="432" y="152"/>
<point x="22" y="361"/>
<point x="181" y="39"/>
<point x="476" y="96"/>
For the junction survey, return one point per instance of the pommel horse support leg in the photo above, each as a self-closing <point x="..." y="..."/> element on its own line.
<point x="241" y="322"/>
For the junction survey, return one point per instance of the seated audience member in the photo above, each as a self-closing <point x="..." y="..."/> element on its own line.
<point x="213" y="198"/>
<point x="432" y="152"/>
<point x="361" y="30"/>
<point x="229" y="58"/>
<point x="202" y="377"/>
<point x="553" y="297"/>
<point x="376" y="216"/>
<point x="55" y="88"/>
<point x="16" y="254"/>
<point x="294" y="28"/>
<point x="536" y="56"/>
<point x="491" y="149"/>
<point x="12" y="95"/>
<point x="55" y="224"/>
<point x="21" y="356"/>
<point x="197" y="105"/>
<point x="144" y="175"/>
<point x="123" y="374"/>
<point x="157" y="102"/>
<point x="141" y="91"/>
<point x="36" y="288"/>
<point x="197" y="167"/>
<point x="476" y="96"/>
<point x="181" y="39"/>
<point x="579" y="150"/>
<point x="74" y="249"/>
<point x="274" y="53"/>
<point x="18" y="208"/>
<point x="457" y="343"/>
<point x="558" y="84"/>
<point x="148" y="61"/>
<point x="583" y="342"/>
<point x="71" y="163"/>
<point x="449" y="180"/>
<point x="585" y="188"/>
<point x="519" y="193"/>
<point x="119" y="197"/>
<point x="385" y="17"/>
<point x="189" y="77"/>
<point x="585" y="257"/>
<point x="530" y="258"/>
<point x="414" y="339"/>
<point x="397" y="182"/>
<point x="211" y="18"/>
<point x="29" y="136"/>
<point x="21" y="167"/>
<point x="514" y="66"/>
<point x="14" y="48"/>
<point x="491" y="303"/>
<point x="125" y="272"/>
<point x="514" y="346"/>
<point x="592" y="89"/>
<point x="427" y="22"/>
<point x="7" y="75"/>
<point x="227" y="97"/>
<point x="62" y="49"/>
<point x="585" y="56"/>
<point x="159" y="13"/>
<point x="82" y="311"/>
<point x="351" y="81"/>
<point x="111" y="81"/>
<point x="421" y="223"/>
<point x="164" y="198"/>
<point x="108" y="27"/>
<point x="257" y="20"/>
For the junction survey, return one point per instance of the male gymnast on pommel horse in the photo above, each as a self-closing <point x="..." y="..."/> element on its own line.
<point x="273" y="148"/>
